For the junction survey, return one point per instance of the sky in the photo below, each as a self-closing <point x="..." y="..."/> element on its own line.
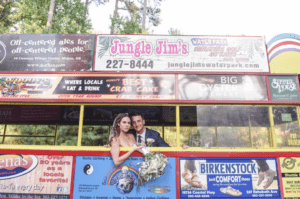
<point x="266" y="18"/>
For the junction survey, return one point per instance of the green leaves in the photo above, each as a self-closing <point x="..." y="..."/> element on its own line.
<point x="69" y="17"/>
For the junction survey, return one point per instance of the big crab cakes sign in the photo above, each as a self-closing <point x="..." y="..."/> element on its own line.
<point x="180" y="53"/>
<point x="283" y="88"/>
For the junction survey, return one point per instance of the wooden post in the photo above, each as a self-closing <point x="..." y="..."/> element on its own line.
<point x="50" y="14"/>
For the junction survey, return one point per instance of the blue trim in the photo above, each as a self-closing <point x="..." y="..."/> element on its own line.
<point x="282" y="36"/>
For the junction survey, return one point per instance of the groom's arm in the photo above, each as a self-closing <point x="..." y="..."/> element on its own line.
<point x="159" y="142"/>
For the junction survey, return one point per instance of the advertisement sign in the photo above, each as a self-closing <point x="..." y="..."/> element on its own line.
<point x="283" y="88"/>
<point x="46" y="52"/>
<point x="228" y="178"/>
<point x="290" y="171"/>
<point x="98" y="177"/>
<point x="222" y="87"/>
<point x="180" y="53"/>
<point x="30" y="176"/>
<point x="29" y="113"/>
<point x="92" y="88"/>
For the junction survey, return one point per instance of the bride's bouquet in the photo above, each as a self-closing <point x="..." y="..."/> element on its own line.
<point x="154" y="164"/>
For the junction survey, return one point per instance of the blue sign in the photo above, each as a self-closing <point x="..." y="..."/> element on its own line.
<point x="98" y="177"/>
<point x="229" y="178"/>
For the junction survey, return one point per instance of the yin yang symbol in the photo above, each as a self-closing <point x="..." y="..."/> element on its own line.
<point x="88" y="169"/>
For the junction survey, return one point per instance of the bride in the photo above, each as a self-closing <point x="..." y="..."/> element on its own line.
<point x="119" y="137"/>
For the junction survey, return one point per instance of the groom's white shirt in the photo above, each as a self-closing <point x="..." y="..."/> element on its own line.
<point x="143" y="136"/>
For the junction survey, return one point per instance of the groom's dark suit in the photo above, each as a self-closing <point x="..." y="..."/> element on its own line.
<point x="158" y="141"/>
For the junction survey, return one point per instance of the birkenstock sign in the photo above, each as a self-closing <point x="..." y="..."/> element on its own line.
<point x="229" y="178"/>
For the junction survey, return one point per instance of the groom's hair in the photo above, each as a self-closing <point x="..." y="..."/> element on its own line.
<point x="136" y="114"/>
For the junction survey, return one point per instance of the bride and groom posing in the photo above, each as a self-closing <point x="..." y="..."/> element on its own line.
<point x="120" y="135"/>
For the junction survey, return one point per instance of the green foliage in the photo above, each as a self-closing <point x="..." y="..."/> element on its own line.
<point x="6" y="23"/>
<point x="95" y="135"/>
<point x="174" y="32"/>
<point x="124" y="25"/>
<point x="69" y="16"/>
<point x="67" y="135"/>
<point x="29" y="133"/>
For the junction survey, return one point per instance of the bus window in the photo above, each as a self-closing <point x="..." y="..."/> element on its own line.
<point x="224" y="126"/>
<point x="39" y="124"/>
<point x="286" y="126"/>
<point x="98" y="121"/>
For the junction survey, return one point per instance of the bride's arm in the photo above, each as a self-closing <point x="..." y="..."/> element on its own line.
<point x="115" y="152"/>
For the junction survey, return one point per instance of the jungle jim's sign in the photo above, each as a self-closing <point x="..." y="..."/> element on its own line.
<point x="180" y="53"/>
<point x="46" y="52"/>
<point x="87" y="87"/>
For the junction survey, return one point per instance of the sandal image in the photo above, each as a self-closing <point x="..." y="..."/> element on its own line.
<point x="186" y="176"/>
<point x="195" y="182"/>
<point x="268" y="178"/>
<point x="261" y="177"/>
<point x="231" y="191"/>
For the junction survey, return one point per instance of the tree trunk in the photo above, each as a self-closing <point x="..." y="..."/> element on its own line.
<point x="86" y="5"/>
<point x="50" y="14"/>
<point x="112" y="30"/>
<point x="144" y="14"/>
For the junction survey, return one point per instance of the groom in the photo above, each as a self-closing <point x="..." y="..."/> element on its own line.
<point x="141" y="133"/>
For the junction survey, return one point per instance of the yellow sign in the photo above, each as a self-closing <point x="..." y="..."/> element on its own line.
<point x="290" y="170"/>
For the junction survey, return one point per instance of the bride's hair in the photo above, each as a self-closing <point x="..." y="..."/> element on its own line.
<point x="115" y="129"/>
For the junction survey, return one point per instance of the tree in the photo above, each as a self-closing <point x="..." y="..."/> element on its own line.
<point x="69" y="16"/>
<point x="126" y="25"/>
<point x="137" y="14"/>
<point x="6" y="23"/>
<point x="150" y="9"/>
<point x="174" y="32"/>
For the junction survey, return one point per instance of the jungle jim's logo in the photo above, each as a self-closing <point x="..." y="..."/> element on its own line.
<point x="283" y="85"/>
<point x="12" y="166"/>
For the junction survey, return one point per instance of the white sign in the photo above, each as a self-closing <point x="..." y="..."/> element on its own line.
<point x="180" y="53"/>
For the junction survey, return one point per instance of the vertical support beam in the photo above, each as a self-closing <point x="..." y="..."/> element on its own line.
<point x="216" y="132"/>
<point x="272" y="136"/>
<point x="80" y="125"/>
<point x="56" y="128"/>
<point x="177" y="126"/>
<point x="163" y="131"/>
<point x="250" y="133"/>
<point x="4" y="133"/>
<point x="298" y="114"/>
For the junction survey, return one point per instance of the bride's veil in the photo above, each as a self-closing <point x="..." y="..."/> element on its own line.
<point x="114" y="129"/>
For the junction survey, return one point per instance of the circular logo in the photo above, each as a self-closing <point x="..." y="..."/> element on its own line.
<point x="88" y="169"/>
<point x="2" y="51"/>
<point x="288" y="163"/>
<point x="125" y="185"/>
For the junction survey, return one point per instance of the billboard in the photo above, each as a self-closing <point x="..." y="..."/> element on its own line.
<point x="98" y="177"/>
<point x="180" y="53"/>
<point x="222" y="87"/>
<point x="229" y="178"/>
<point x="283" y="88"/>
<point x="87" y="87"/>
<point x="30" y="176"/>
<point x="290" y="168"/>
<point x="46" y="52"/>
